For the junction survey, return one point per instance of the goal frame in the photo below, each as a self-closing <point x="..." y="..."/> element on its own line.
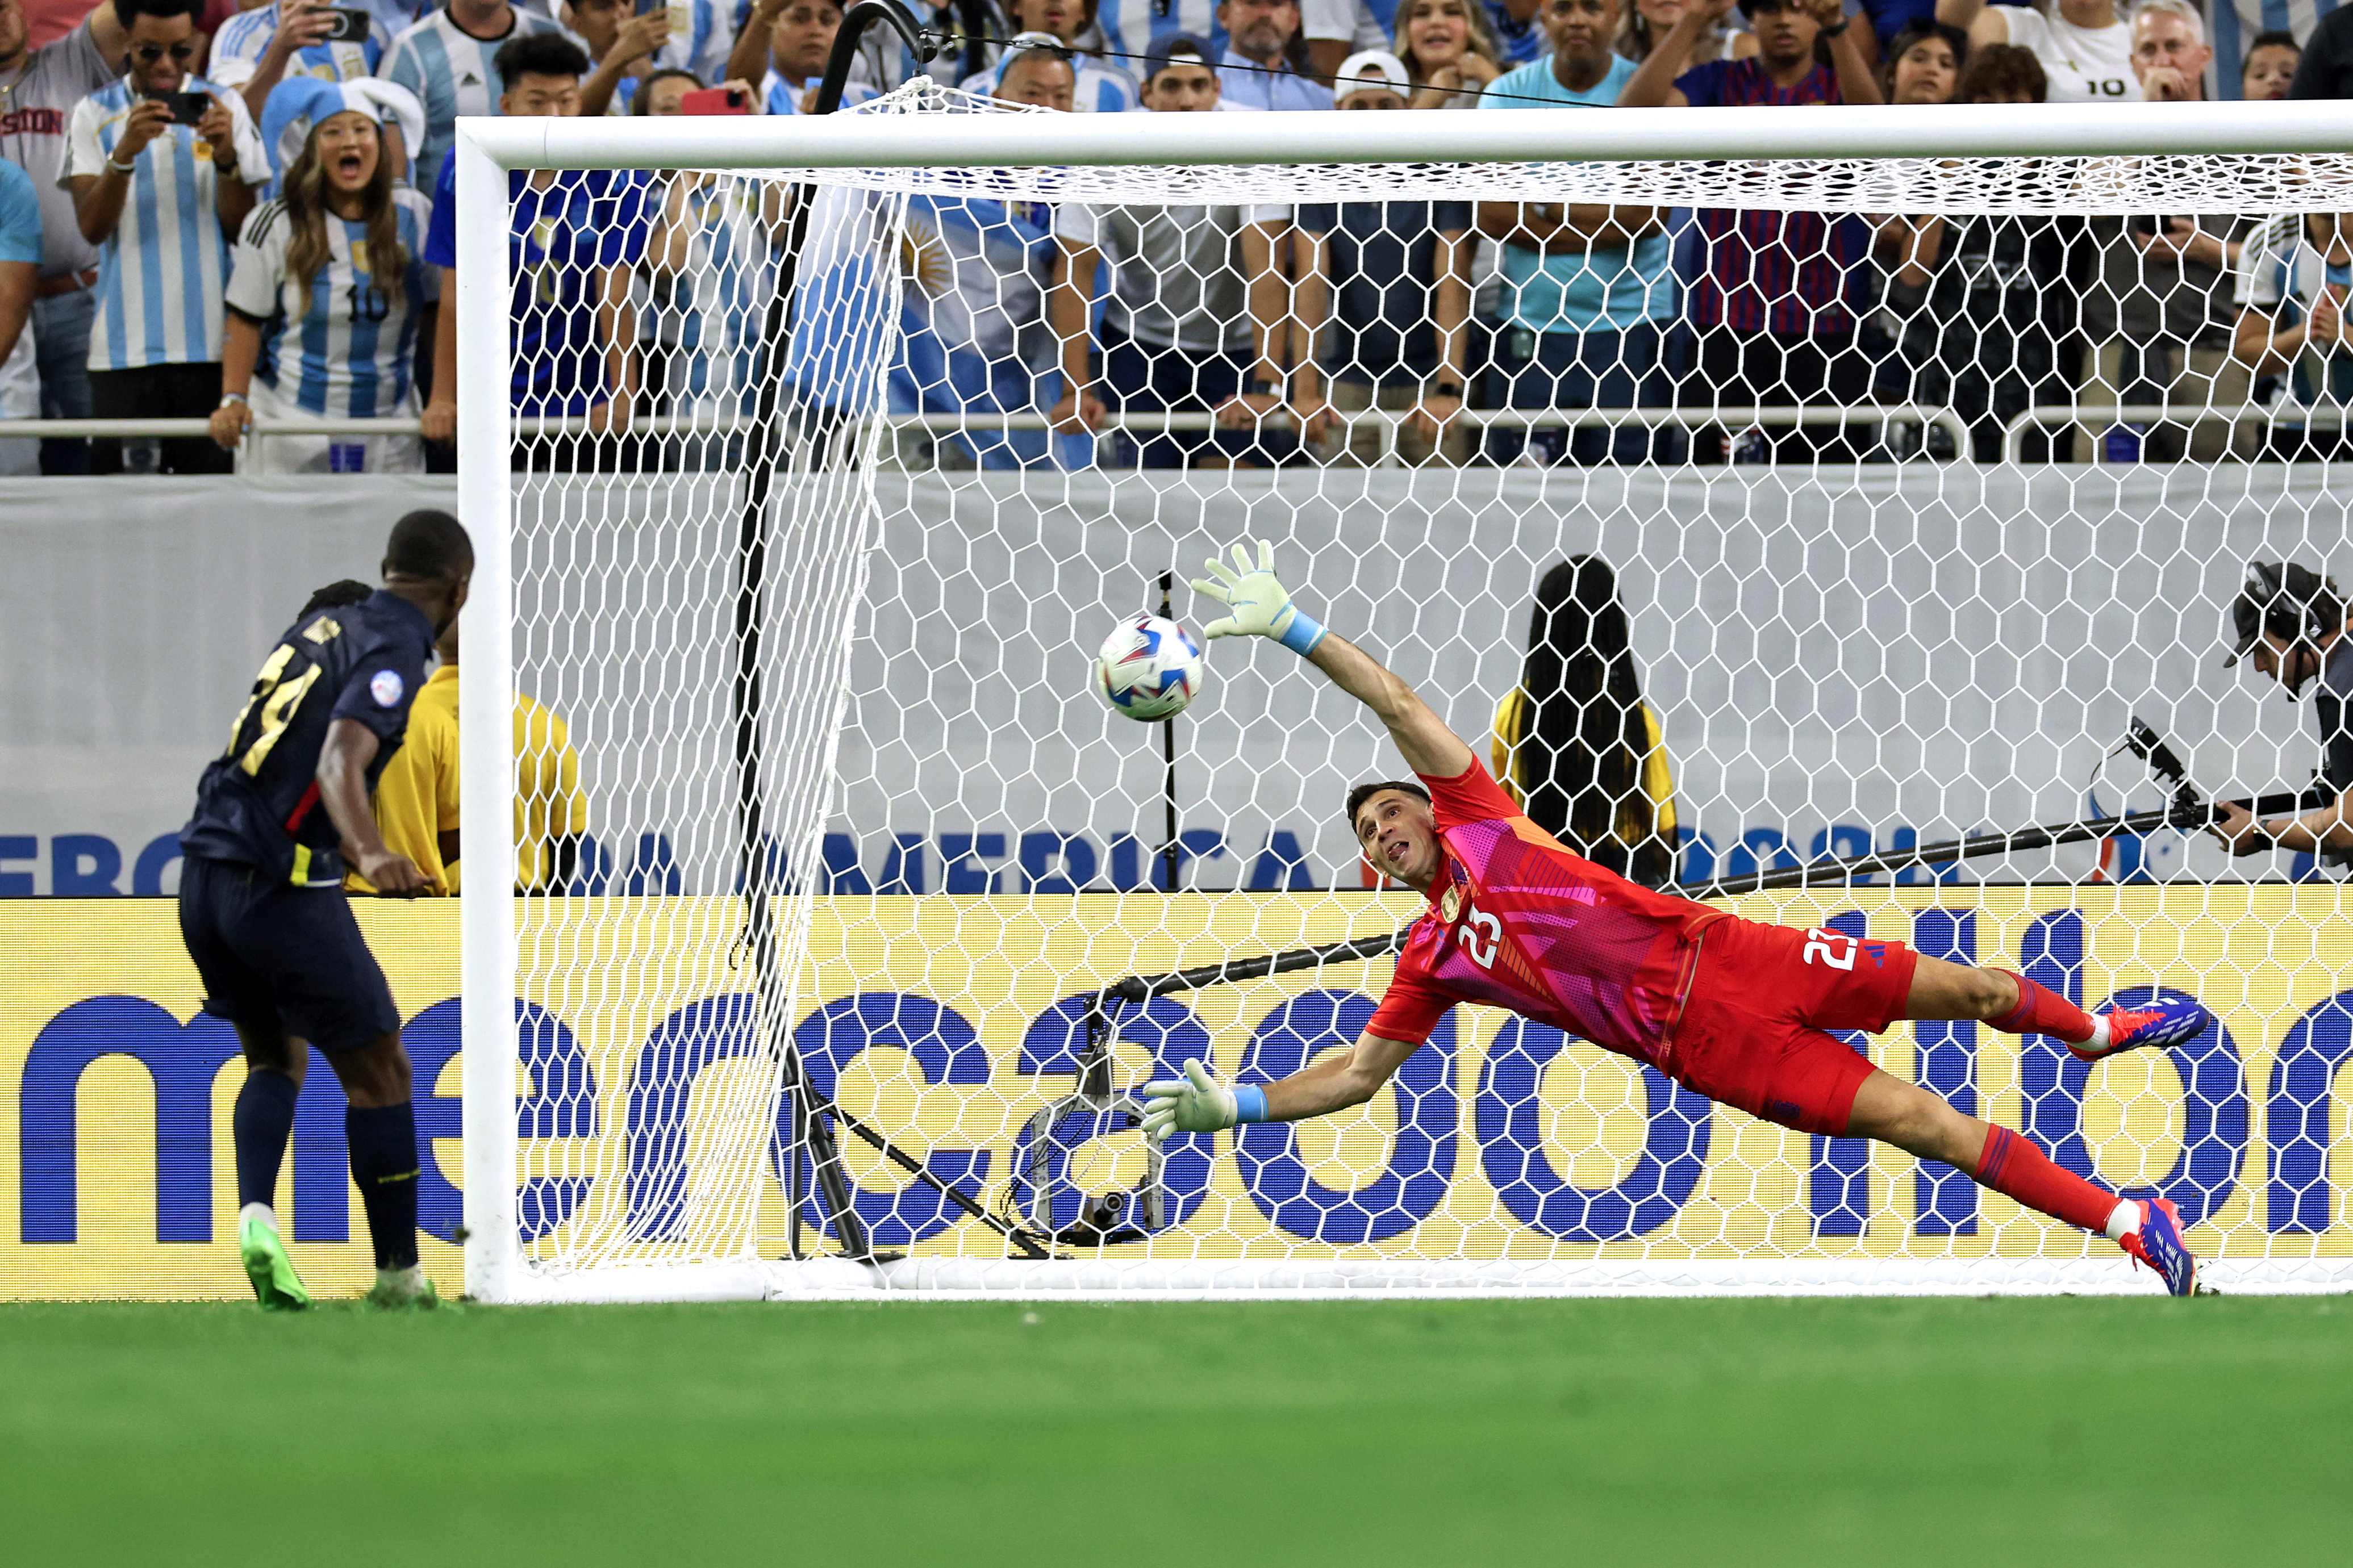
<point x="488" y="150"/>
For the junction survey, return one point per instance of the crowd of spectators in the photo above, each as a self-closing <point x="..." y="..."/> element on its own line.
<point x="219" y="212"/>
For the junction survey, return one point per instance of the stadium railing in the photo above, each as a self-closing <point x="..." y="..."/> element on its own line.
<point x="2014" y="432"/>
<point x="1387" y="421"/>
<point x="2048" y="415"/>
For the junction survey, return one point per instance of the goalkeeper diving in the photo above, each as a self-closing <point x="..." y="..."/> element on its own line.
<point x="1731" y="1009"/>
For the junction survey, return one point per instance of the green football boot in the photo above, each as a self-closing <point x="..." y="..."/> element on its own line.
<point x="402" y="1290"/>
<point x="275" y="1284"/>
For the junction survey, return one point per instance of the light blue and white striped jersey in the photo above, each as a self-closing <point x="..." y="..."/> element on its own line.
<point x="347" y="350"/>
<point x="701" y="39"/>
<point x="393" y="17"/>
<point x="1130" y="28"/>
<point x="778" y="96"/>
<point x="701" y="35"/>
<point x="451" y="72"/>
<point x="20" y="244"/>
<point x="161" y="273"/>
<point x="2281" y="272"/>
<point x="2230" y="27"/>
<point x="707" y="316"/>
<point x="245" y="37"/>
<point x="1101" y="89"/>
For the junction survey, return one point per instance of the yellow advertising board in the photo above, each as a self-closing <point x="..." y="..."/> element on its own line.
<point x="949" y="1022"/>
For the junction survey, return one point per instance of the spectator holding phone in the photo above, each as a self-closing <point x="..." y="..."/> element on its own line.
<point x="39" y="89"/>
<point x="784" y="43"/>
<point x="163" y="167"/>
<point x="623" y="43"/>
<point x="450" y="61"/>
<point x="328" y="285"/>
<point x="693" y="36"/>
<point x="256" y="48"/>
<point x="710" y="267"/>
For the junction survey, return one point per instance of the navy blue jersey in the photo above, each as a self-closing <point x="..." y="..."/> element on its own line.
<point x="259" y="802"/>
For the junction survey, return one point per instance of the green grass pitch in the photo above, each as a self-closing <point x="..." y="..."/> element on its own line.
<point x="1978" y="1432"/>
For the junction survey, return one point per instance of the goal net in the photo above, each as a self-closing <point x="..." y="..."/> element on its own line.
<point x="1756" y="492"/>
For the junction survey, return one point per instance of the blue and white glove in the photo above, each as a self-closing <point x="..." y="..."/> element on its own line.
<point x="1198" y="1103"/>
<point x="1261" y="605"/>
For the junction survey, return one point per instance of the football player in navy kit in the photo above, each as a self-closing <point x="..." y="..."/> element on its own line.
<point x="280" y="815"/>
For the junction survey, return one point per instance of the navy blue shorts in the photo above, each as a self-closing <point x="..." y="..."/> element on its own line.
<point x="282" y="959"/>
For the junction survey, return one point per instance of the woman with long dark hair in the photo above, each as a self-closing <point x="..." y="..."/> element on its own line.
<point x="328" y="290"/>
<point x="1576" y="743"/>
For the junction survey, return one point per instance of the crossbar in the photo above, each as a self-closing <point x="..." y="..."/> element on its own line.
<point x="1446" y="135"/>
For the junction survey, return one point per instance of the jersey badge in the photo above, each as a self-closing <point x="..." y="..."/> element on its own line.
<point x="386" y="687"/>
<point x="1450" y="905"/>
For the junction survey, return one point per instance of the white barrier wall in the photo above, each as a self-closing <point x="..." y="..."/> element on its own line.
<point x="1838" y="659"/>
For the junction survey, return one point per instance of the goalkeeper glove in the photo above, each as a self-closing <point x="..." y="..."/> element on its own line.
<point x="1198" y="1103"/>
<point x="1261" y="605"/>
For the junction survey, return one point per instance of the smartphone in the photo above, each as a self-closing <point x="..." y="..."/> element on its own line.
<point x="350" y="26"/>
<point x="2141" y="224"/>
<point x="715" y="100"/>
<point x="187" y="108"/>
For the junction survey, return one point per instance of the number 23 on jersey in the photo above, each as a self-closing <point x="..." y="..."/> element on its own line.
<point x="1478" y="934"/>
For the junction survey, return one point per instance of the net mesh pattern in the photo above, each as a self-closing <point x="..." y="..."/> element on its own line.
<point x="1851" y="540"/>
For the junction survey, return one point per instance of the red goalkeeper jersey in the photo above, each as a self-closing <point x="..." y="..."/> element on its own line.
<point x="1516" y="921"/>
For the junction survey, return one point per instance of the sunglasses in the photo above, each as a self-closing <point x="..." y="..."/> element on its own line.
<point x="148" y="54"/>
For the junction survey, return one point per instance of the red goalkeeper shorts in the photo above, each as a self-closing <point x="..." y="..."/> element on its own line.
<point x="1751" y="1031"/>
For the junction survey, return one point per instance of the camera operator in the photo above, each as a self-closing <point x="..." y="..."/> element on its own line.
<point x="2291" y="620"/>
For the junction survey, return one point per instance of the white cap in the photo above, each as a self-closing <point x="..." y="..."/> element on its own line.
<point x="1370" y="67"/>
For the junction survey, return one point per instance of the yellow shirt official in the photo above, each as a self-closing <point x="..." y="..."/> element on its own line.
<point x="1512" y="719"/>
<point x="417" y="798"/>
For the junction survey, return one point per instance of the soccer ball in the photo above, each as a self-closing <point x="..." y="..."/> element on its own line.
<point x="1149" y="668"/>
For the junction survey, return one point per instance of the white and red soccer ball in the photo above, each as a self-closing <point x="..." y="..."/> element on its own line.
<point x="1149" y="668"/>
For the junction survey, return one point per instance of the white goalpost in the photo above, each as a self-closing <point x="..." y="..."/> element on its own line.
<point x="832" y="966"/>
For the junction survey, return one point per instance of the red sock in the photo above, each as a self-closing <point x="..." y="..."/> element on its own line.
<point x="2013" y="1167"/>
<point x="2043" y="1011"/>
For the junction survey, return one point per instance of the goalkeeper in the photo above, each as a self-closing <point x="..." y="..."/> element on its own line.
<point x="1732" y="1008"/>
